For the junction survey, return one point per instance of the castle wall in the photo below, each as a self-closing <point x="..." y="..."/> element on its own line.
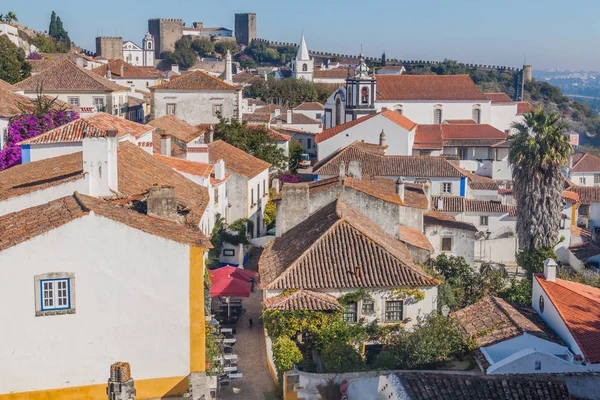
<point x="109" y="47"/>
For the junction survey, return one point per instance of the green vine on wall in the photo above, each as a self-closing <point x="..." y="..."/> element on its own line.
<point x="354" y="297"/>
<point x="412" y="294"/>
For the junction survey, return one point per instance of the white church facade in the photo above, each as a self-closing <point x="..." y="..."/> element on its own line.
<point x="303" y="67"/>
<point x="140" y="56"/>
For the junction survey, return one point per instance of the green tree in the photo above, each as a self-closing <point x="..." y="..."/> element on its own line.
<point x="295" y="150"/>
<point x="183" y="55"/>
<point x="383" y="59"/>
<point x="13" y="66"/>
<point x="285" y="354"/>
<point x="222" y="47"/>
<point x="45" y="43"/>
<point x="254" y="140"/>
<point x="340" y="357"/>
<point x="59" y="34"/>
<point x="537" y="154"/>
<point x="11" y="17"/>
<point x="203" y="46"/>
<point x="271" y="210"/>
<point x="234" y="233"/>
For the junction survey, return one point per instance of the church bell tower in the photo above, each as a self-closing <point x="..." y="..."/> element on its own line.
<point x="360" y="92"/>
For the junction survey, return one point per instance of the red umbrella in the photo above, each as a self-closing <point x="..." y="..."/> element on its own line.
<point x="243" y="274"/>
<point x="228" y="286"/>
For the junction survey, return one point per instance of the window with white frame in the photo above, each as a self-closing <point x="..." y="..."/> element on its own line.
<point x="54" y="293"/>
<point x="582" y="180"/>
<point x="99" y="103"/>
<point x="217" y="109"/>
<point x="394" y="310"/>
<point x="446" y="187"/>
<point x="447" y="244"/>
<point x="477" y="114"/>
<point x="483" y="220"/>
<point x="349" y="313"/>
<point x="171" y="107"/>
<point x="437" y="114"/>
<point x="463" y="153"/>
<point x="74" y="101"/>
<point x="596" y="179"/>
<point x="368" y="306"/>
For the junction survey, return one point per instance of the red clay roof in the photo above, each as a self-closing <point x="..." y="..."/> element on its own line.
<point x="523" y="107"/>
<point x="436" y="218"/>
<point x="171" y="125"/>
<point x="335" y="73"/>
<point x="587" y="194"/>
<point x="434" y="136"/>
<point x="586" y="163"/>
<point x="303" y="300"/>
<point x="74" y="131"/>
<point x="197" y="80"/>
<point x="414" y="237"/>
<point x="236" y="160"/>
<point x="385" y="189"/>
<point x="12" y="103"/>
<point x="570" y="197"/>
<point x="338" y="247"/>
<point x="129" y="71"/>
<point x="427" y="87"/>
<point x="579" y="307"/>
<point x="456" y="204"/>
<point x="23" y="225"/>
<point x="497" y="98"/>
<point x="311" y="105"/>
<point x="459" y="121"/>
<point x="65" y="76"/>
<point x="278" y="136"/>
<point x="189" y="167"/>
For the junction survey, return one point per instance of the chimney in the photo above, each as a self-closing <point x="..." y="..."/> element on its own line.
<point x="197" y="150"/>
<point x="228" y="68"/>
<point x="132" y="90"/>
<point x="382" y="138"/>
<point x="100" y="162"/>
<point x="162" y="203"/>
<point x="354" y="169"/>
<point x="342" y="171"/>
<point x="121" y="68"/>
<point x="276" y="185"/>
<point x="219" y="169"/>
<point x="165" y="145"/>
<point x="175" y="68"/>
<point x="120" y="383"/>
<point x="211" y="134"/>
<point x="550" y="270"/>
<point x="289" y="117"/>
<point x="400" y="188"/>
<point x="79" y="62"/>
<point x="427" y="191"/>
<point x="440" y="204"/>
<point x="108" y="72"/>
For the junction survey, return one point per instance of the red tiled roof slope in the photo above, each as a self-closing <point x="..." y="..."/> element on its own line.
<point x="385" y="189"/>
<point x="498" y="98"/>
<point x="236" y="160"/>
<point x="436" y="218"/>
<point x="414" y="237"/>
<point x="587" y="163"/>
<point x="303" y="300"/>
<point x="197" y="80"/>
<point x="129" y="71"/>
<point x="176" y="127"/>
<point x="427" y="87"/>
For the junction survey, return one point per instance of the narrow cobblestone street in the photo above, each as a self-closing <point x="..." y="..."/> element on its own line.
<point x="257" y="383"/>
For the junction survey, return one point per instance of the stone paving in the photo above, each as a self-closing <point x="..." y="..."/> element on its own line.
<point x="251" y="351"/>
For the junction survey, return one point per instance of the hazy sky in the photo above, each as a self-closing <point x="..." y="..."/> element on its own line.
<point x="551" y="33"/>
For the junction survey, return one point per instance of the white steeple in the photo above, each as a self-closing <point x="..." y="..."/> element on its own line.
<point x="228" y="68"/>
<point x="302" y="50"/>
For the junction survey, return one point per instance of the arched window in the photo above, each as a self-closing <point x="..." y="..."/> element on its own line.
<point x="349" y="99"/>
<point x="304" y="67"/>
<point x="437" y="114"/>
<point x="338" y="111"/>
<point x="398" y="109"/>
<point x="364" y="95"/>
<point x="477" y="113"/>
<point x="149" y="45"/>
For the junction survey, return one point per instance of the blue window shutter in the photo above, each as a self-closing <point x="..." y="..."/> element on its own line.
<point x="463" y="186"/>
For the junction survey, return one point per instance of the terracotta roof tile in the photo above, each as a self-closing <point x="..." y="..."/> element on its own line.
<point x="523" y="107"/>
<point x="176" y="127"/>
<point x="456" y="204"/>
<point x="570" y="197"/>
<point x="584" y="234"/>
<point x="38" y="66"/>
<point x="197" y="80"/>
<point x="23" y="225"/>
<point x="129" y="71"/>
<point x="178" y="147"/>
<point x="74" y="131"/>
<point x="373" y="163"/>
<point x="245" y="78"/>
<point x="257" y="117"/>
<point x="439" y="386"/>
<point x="427" y="87"/>
<point x="311" y="105"/>
<point x="478" y="182"/>
<point x="587" y="194"/>
<point x="579" y="307"/>
<point x="338" y="247"/>
<point x="414" y="237"/>
<point x="236" y="160"/>
<point x="335" y="73"/>
<point x="65" y="76"/>
<point x="460" y="121"/>
<point x="435" y="218"/>
<point x="278" y="136"/>
<point x="297" y="119"/>
<point x="385" y="189"/>
<point x="189" y="167"/>
<point x="587" y="163"/>
<point x="438" y="135"/>
<point x="497" y="98"/>
<point x="303" y="300"/>
<point x="12" y="103"/>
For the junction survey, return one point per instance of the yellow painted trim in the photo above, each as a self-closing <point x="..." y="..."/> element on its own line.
<point x="574" y="208"/>
<point x="271" y="370"/>
<point x="197" y="328"/>
<point x="146" y="389"/>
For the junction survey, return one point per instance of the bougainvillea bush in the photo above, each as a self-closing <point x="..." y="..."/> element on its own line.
<point x="26" y="126"/>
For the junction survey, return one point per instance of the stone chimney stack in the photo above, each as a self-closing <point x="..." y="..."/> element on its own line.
<point x="108" y="72"/>
<point x="342" y="171"/>
<point x="120" y="383"/>
<point x="400" y="188"/>
<point x="354" y="169"/>
<point x="211" y="134"/>
<point x="228" y="68"/>
<point x="100" y="161"/>
<point x="162" y="203"/>
<point x="121" y="70"/>
<point x="550" y="270"/>
<point x="219" y="169"/>
<point x="289" y="117"/>
<point x="165" y="145"/>
<point x="382" y="138"/>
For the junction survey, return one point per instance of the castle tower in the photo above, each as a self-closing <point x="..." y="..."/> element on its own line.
<point x="148" y="50"/>
<point x="165" y="32"/>
<point x="303" y="66"/>
<point x="245" y="28"/>
<point x="360" y="92"/>
<point x="228" y="69"/>
<point x="109" y="47"/>
<point x="527" y="73"/>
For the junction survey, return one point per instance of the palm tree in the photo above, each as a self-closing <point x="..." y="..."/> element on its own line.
<point x="537" y="153"/>
<point x="10" y="17"/>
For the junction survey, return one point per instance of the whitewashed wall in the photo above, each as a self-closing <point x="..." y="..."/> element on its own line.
<point x="463" y="242"/>
<point x="3" y="131"/>
<point x="256" y="183"/>
<point x="196" y="107"/>
<point x="421" y="112"/>
<point x="127" y="304"/>
<point x="503" y="116"/>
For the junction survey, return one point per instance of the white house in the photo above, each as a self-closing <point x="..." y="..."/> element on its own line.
<point x="338" y="250"/>
<point x="514" y="340"/>
<point x="296" y="120"/>
<point x="140" y="56"/>
<point x="87" y="282"/>
<point x="311" y="109"/>
<point x="197" y="98"/>
<point x="584" y="169"/>
<point x="78" y="87"/>
<point x="130" y="76"/>
<point x="449" y="236"/>
<point x="572" y="310"/>
<point x="248" y="184"/>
